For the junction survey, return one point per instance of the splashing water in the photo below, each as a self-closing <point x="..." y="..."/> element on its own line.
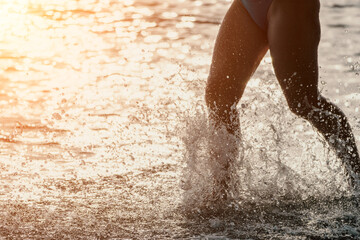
<point x="282" y="177"/>
<point x="275" y="161"/>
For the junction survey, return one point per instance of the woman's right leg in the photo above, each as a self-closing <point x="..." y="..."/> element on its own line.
<point x="294" y="35"/>
<point x="239" y="48"/>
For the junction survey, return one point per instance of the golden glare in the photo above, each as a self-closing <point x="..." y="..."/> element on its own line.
<point x="104" y="130"/>
<point x="67" y="65"/>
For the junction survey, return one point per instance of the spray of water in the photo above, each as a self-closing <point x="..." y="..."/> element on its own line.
<point x="280" y="156"/>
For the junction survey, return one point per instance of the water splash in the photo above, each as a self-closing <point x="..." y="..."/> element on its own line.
<point x="281" y="157"/>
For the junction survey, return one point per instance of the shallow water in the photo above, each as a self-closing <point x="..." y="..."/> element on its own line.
<point x="103" y="130"/>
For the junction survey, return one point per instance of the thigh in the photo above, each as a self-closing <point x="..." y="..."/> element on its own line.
<point x="239" y="48"/>
<point x="294" y="35"/>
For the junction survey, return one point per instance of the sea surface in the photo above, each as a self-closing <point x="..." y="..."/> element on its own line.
<point x="104" y="132"/>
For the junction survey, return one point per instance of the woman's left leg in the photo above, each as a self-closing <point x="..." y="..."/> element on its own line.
<point x="239" y="48"/>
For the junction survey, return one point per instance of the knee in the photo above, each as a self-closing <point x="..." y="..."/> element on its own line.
<point x="307" y="106"/>
<point x="302" y="107"/>
<point x="299" y="109"/>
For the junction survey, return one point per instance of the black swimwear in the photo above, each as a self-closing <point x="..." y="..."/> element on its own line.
<point x="258" y="10"/>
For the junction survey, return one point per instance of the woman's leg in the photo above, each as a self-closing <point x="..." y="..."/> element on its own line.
<point x="239" y="48"/>
<point x="294" y="35"/>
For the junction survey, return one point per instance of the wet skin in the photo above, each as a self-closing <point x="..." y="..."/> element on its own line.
<point x="292" y="37"/>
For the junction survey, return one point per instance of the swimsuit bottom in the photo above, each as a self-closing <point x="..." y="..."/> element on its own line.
<point x="258" y="10"/>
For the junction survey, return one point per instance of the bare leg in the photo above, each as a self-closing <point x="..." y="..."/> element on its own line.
<point x="294" y="35"/>
<point x="239" y="48"/>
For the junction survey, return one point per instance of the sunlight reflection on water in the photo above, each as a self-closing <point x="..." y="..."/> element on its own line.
<point x="74" y="74"/>
<point x="93" y="96"/>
